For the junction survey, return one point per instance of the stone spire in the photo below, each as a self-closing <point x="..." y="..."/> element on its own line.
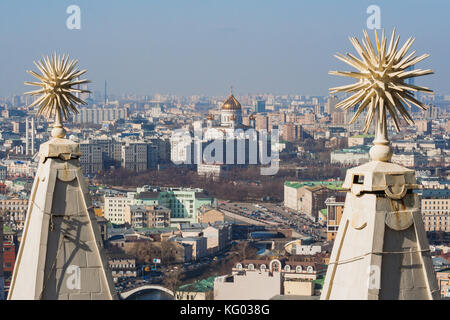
<point x="60" y="255"/>
<point x="381" y="250"/>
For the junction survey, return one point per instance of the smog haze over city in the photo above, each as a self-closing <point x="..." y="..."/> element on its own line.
<point x="201" y="47"/>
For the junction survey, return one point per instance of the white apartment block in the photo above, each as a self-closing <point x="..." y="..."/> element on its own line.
<point x="409" y="159"/>
<point x="292" y="195"/>
<point x="180" y="149"/>
<point x="349" y="156"/>
<point x="114" y="208"/>
<point x="98" y="115"/>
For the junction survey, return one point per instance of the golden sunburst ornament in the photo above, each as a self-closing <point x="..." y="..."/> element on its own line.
<point x="381" y="83"/>
<point x="58" y="77"/>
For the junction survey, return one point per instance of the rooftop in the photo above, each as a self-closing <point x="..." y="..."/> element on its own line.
<point x="199" y="286"/>
<point x="436" y="193"/>
<point x="334" y="185"/>
<point x="355" y="149"/>
<point x="363" y="136"/>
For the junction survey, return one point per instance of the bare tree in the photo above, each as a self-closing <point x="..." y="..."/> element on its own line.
<point x="172" y="281"/>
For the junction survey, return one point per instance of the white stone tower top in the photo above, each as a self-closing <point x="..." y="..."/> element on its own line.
<point x="381" y="250"/>
<point x="60" y="255"/>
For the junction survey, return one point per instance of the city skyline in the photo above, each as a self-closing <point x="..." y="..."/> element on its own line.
<point x="203" y="48"/>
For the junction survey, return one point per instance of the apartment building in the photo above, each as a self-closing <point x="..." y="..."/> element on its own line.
<point x="309" y="197"/>
<point x="435" y="204"/>
<point x="147" y="216"/>
<point x="355" y="156"/>
<point x="122" y="266"/>
<point x="114" y="207"/>
<point x="15" y="210"/>
<point x="134" y="156"/>
<point x="91" y="159"/>
<point x="198" y="245"/>
<point x="98" y="115"/>
<point x="334" y="212"/>
<point x="183" y="203"/>
<point x="409" y="159"/>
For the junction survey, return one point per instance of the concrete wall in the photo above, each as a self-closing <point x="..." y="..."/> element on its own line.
<point x="299" y="288"/>
<point x="291" y="196"/>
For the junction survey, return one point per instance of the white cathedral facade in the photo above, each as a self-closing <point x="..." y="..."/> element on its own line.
<point x="224" y="142"/>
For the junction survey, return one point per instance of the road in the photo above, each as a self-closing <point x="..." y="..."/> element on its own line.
<point x="270" y="214"/>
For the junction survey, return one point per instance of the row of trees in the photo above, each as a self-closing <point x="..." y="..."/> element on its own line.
<point x="240" y="184"/>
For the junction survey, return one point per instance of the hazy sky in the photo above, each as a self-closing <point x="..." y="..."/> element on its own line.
<point x="203" y="46"/>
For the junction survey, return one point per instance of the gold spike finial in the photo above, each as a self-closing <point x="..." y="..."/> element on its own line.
<point x="58" y="77"/>
<point x="381" y="85"/>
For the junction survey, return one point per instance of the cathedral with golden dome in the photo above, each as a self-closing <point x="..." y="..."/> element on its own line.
<point x="231" y="112"/>
<point x="229" y="116"/>
<point x="225" y="141"/>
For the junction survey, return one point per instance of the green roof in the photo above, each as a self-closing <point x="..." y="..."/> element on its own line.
<point x="334" y="185"/>
<point x="324" y="212"/>
<point x="363" y="136"/>
<point x="199" y="286"/>
<point x="354" y="149"/>
<point x="319" y="282"/>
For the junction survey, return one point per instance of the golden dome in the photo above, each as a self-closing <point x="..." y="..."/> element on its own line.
<point x="231" y="103"/>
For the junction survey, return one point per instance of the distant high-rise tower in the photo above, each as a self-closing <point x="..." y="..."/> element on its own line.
<point x="330" y="106"/>
<point x="106" y="96"/>
<point x="410" y="80"/>
<point x="29" y="136"/>
<point x="260" y="106"/>
<point x="414" y="108"/>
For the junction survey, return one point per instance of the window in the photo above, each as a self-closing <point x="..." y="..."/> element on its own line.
<point x="298" y="269"/>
